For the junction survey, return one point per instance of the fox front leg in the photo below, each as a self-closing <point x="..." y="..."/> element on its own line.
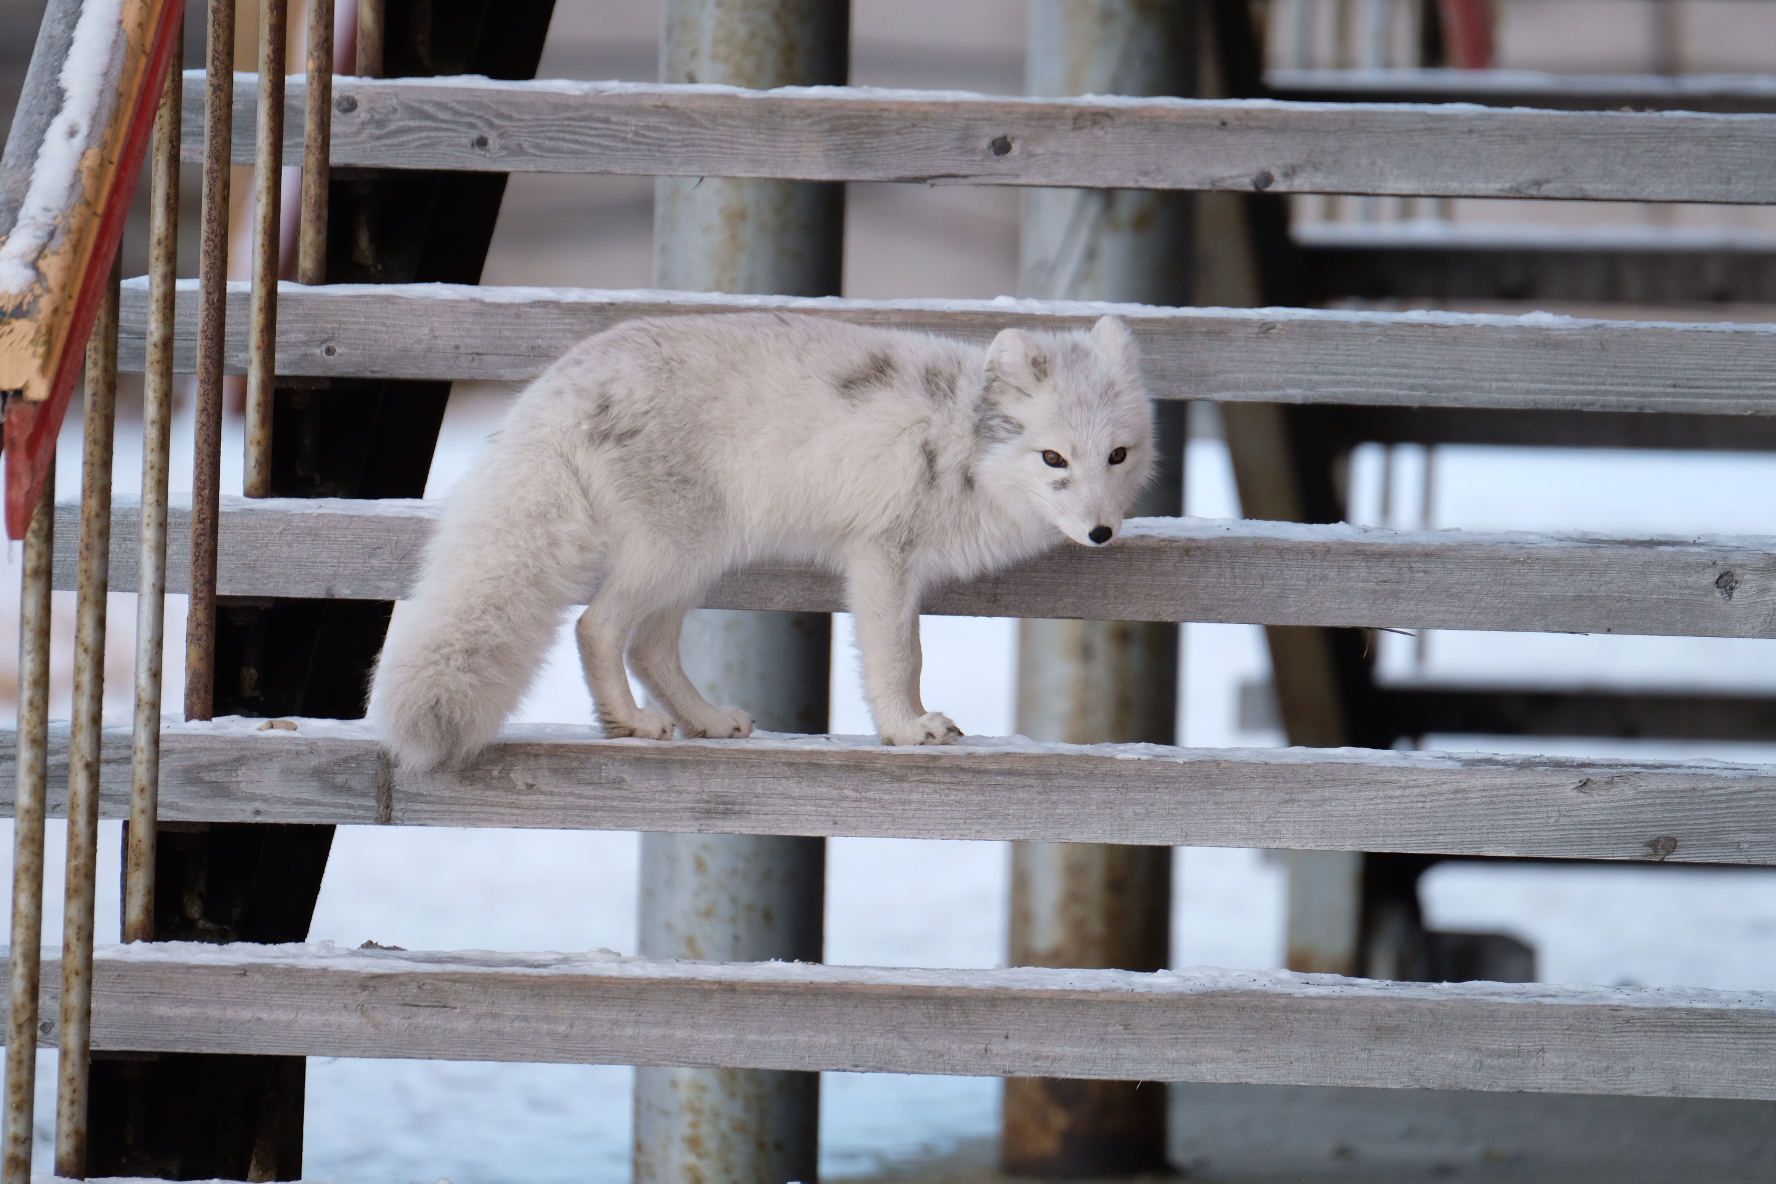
<point x="886" y="606"/>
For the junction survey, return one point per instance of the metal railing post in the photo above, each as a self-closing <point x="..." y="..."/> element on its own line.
<point x="84" y="737"/>
<point x="157" y="430"/>
<point x="1076" y="904"/>
<point x="369" y="45"/>
<point x="27" y="841"/>
<point x="737" y="897"/>
<point x="200" y="628"/>
<point x="311" y="264"/>
<point x="268" y="189"/>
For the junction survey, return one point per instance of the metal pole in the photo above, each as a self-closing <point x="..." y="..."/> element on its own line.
<point x="311" y="265"/>
<point x="157" y="426"/>
<point x="268" y="177"/>
<point x="84" y="738"/>
<point x="27" y="836"/>
<point x="735" y="897"/>
<point x="200" y="628"/>
<point x="370" y="30"/>
<point x="1074" y="904"/>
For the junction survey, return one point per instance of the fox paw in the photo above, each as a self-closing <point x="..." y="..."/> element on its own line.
<point x="729" y="723"/>
<point x="647" y="724"/>
<point x="934" y="727"/>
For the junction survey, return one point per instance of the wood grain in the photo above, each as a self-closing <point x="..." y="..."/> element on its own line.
<point x="1299" y="799"/>
<point x="1172" y="1026"/>
<point x="1159" y="570"/>
<point x="1226" y="355"/>
<point x="839" y="134"/>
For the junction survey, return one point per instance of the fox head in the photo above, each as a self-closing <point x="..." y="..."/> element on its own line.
<point x="1065" y="425"/>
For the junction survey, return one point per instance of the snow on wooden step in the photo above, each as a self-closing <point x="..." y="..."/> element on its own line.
<point x="1189" y="1025"/>
<point x="1266" y="355"/>
<point x="957" y="138"/>
<point x="1160" y="569"/>
<point x="329" y="771"/>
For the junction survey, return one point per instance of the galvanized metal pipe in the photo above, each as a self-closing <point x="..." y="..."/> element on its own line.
<point x="84" y="737"/>
<point x="311" y="265"/>
<point x="157" y="430"/>
<point x="370" y="31"/>
<point x="26" y="966"/>
<point x="1090" y="905"/>
<point x="736" y="897"/>
<point x="268" y="177"/>
<point x="206" y="476"/>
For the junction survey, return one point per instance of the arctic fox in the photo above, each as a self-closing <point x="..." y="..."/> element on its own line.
<point x="657" y="455"/>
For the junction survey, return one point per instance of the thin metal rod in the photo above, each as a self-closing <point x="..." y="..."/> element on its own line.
<point x="83" y="740"/>
<point x="200" y="628"/>
<point x="157" y="422"/>
<point x="268" y="178"/>
<point x="27" y="836"/>
<point x="370" y="30"/>
<point x="311" y="264"/>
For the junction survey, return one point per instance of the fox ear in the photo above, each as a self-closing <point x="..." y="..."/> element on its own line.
<point x="1015" y="358"/>
<point x="1112" y="337"/>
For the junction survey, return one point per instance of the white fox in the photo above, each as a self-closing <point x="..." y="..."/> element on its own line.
<point x="658" y="455"/>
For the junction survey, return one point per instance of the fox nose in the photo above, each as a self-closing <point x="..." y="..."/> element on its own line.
<point x="1100" y="534"/>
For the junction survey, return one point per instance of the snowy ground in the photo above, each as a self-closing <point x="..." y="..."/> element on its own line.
<point x="943" y="903"/>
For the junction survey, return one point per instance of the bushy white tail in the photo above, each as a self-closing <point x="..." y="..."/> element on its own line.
<point x="515" y="548"/>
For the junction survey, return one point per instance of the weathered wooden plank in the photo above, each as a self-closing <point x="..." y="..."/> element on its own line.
<point x="1412" y="359"/>
<point x="861" y="134"/>
<point x="1161" y="569"/>
<point x="1300" y="799"/>
<point x="1200" y="1025"/>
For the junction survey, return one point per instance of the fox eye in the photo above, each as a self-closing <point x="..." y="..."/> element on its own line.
<point x="1053" y="459"/>
<point x="1119" y="455"/>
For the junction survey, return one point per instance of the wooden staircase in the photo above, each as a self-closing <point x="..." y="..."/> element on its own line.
<point x="1204" y="1027"/>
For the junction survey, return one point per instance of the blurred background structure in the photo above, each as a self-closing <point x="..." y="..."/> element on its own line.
<point x="906" y="903"/>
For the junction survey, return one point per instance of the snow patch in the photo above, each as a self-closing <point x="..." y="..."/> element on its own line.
<point x="998" y="305"/>
<point x="1198" y="980"/>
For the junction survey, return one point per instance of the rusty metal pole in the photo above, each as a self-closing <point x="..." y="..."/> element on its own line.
<point x="311" y="264"/>
<point x="1079" y="904"/>
<point x="85" y="735"/>
<point x="206" y="476"/>
<point x="268" y="188"/>
<point x="370" y="28"/>
<point x="27" y="836"/>
<point x="157" y="430"/>
<point x="736" y="897"/>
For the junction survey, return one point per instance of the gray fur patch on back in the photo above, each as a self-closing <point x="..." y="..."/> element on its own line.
<point x="930" y="455"/>
<point x="878" y="370"/>
<point x="939" y="381"/>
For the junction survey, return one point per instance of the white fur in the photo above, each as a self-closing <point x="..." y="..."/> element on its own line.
<point x="656" y="456"/>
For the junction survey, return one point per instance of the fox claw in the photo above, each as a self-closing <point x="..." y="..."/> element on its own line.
<point x="648" y="724"/>
<point x="934" y="727"/>
<point x="728" y="724"/>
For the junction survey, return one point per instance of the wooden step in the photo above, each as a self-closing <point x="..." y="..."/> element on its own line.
<point x="950" y="138"/>
<point x="1194" y="1025"/>
<point x="1271" y="355"/>
<point x="557" y="776"/>
<point x="1161" y="569"/>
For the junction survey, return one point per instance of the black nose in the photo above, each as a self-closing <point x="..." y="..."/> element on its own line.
<point x="1100" y="535"/>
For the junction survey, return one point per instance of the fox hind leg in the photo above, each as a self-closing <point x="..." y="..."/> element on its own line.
<point x="603" y="633"/>
<point x="655" y="657"/>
